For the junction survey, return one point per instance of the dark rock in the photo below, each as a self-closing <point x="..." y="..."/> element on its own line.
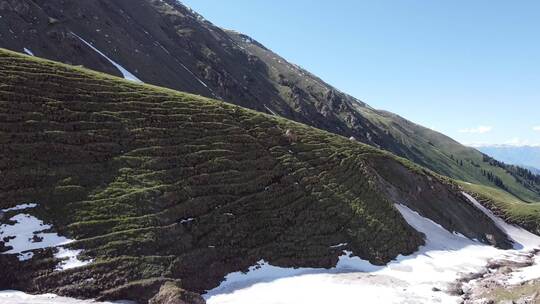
<point x="171" y="293"/>
<point x="36" y="239"/>
<point x="496" y="264"/>
<point x="455" y="289"/>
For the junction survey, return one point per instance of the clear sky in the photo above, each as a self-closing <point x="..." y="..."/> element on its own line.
<point x="467" y="68"/>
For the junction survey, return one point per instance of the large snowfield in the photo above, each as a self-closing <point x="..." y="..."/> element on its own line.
<point x="418" y="278"/>
<point x="27" y="233"/>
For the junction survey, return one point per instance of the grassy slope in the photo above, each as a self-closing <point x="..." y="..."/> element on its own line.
<point x="118" y="166"/>
<point x="446" y="156"/>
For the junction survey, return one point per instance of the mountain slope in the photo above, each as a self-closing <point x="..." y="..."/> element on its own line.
<point x="157" y="186"/>
<point x="164" y="43"/>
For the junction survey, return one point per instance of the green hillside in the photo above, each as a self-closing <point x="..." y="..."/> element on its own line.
<point x="450" y="158"/>
<point x="159" y="186"/>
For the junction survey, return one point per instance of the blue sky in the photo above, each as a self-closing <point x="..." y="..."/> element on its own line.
<point x="470" y="69"/>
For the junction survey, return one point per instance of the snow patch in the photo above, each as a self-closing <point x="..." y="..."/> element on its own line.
<point x="349" y="262"/>
<point x="20" y="207"/>
<point x="127" y="75"/>
<point x="195" y="76"/>
<point x="269" y="110"/>
<point x="69" y="257"/>
<point x="18" y="297"/>
<point x="522" y="238"/>
<point x="27" y="51"/>
<point x="29" y="233"/>
<point x="408" y="279"/>
<point x="188" y="220"/>
<point x="26" y="256"/>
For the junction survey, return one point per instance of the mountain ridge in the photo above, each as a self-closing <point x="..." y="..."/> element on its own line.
<point x="167" y="44"/>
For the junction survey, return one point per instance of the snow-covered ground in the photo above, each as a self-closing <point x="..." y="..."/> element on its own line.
<point x="419" y="278"/>
<point x="127" y="74"/>
<point x="17" y="297"/>
<point x="522" y="238"/>
<point x="409" y="279"/>
<point x="27" y="233"/>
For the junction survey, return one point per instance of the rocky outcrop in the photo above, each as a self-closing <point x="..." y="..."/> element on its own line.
<point x="441" y="202"/>
<point x="171" y="293"/>
<point x="492" y="284"/>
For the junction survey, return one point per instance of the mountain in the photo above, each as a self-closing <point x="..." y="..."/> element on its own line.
<point x="119" y="190"/>
<point x="526" y="156"/>
<point x="166" y="44"/>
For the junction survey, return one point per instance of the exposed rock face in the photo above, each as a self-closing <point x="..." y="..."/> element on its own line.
<point x="492" y="284"/>
<point x="165" y="43"/>
<point x="429" y="197"/>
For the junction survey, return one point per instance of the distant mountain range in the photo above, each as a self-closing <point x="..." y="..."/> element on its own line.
<point x="526" y="156"/>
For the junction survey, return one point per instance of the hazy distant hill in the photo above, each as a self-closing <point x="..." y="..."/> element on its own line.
<point x="526" y="156"/>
